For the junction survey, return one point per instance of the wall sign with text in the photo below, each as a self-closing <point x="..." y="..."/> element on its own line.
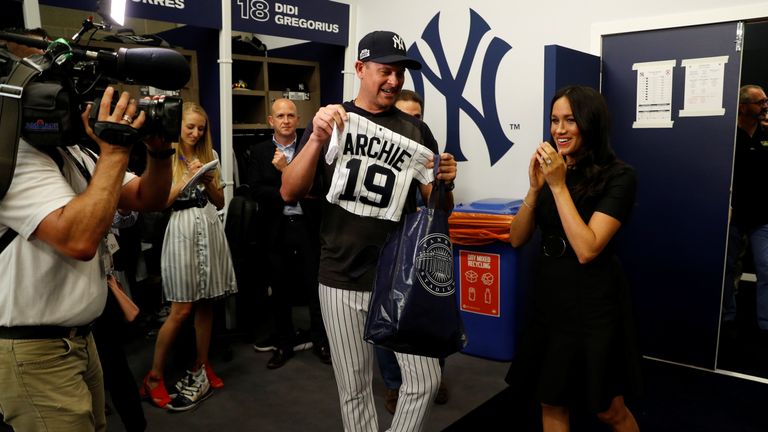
<point x="479" y="282"/>
<point x="311" y="20"/>
<point x="201" y="13"/>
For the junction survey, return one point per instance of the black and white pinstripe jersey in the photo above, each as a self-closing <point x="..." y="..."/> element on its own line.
<point x="375" y="168"/>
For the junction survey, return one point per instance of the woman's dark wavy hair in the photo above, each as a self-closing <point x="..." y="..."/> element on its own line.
<point x="595" y="157"/>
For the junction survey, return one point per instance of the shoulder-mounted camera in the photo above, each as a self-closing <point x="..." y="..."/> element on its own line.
<point x="42" y="96"/>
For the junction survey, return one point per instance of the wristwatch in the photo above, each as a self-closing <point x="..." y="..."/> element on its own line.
<point x="450" y="186"/>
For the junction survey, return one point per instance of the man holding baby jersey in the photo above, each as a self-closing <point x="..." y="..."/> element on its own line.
<point x="369" y="172"/>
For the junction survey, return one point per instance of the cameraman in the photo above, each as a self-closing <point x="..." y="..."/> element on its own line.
<point x="61" y="204"/>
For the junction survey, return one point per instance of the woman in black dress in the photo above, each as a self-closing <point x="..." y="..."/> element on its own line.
<point x="579" y="350"/>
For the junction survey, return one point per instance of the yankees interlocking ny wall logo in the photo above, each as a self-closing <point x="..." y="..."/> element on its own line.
<point x="452" y="86"/>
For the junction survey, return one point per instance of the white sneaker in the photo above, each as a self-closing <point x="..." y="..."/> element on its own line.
<point x="192" y="389"/>
<point x="302" y="341"/>
<point x="184" y="381"/>
<point x="303" y="346"/>
<point x="265" y="345"/>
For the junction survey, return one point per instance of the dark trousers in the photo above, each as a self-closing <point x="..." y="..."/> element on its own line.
<point x="294" y="260"/>
<point x="109" y="334"/>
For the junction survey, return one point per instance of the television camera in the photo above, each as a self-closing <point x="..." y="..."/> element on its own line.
<point x="42" y="95"/>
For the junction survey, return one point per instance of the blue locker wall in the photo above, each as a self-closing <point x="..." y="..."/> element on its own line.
<point x="674" y="246"/>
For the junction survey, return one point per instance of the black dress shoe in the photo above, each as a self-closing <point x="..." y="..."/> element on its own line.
<point x="323" y="352"/>
<point x="279" y="358"/>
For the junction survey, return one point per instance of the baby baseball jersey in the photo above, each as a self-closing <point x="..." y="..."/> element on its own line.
<point x="375" y="168"/>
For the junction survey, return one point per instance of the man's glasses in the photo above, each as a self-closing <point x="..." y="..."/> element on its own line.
<point x="759" y="102"/>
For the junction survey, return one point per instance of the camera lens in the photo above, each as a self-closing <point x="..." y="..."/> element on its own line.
<point x="162" y="117"/>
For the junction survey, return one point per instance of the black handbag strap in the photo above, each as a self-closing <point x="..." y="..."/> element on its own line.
<point x="7" y="238"/>
<point x="436" y="200"/>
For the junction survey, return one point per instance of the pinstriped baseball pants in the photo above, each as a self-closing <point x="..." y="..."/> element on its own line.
<point x="344" y="315"/>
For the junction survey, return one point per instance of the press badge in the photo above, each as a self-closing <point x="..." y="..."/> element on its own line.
<point x="112" y="245"/>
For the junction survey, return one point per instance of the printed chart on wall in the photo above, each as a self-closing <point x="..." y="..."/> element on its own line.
<point x="654" y="94"/>
<point x="479" y="282"/>
<point x="704" y="86"/>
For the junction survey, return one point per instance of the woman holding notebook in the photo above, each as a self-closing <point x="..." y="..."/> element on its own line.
<point x="196" y="263"/>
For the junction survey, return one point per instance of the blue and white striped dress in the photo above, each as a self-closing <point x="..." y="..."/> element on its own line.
<point x="196" y="262"/>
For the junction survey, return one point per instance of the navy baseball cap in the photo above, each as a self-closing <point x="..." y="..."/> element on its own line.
<point x="385" y="47"/>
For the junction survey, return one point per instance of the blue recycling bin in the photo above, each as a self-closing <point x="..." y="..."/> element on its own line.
<point x="490" y="279"/>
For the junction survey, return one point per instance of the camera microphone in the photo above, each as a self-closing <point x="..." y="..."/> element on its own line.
<point x="163" y="68"/>
<point x="158" y="67"/>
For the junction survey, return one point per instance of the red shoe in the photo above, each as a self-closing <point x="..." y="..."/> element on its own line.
<point x="213" y="379"/>
<point x="157" y="395"/>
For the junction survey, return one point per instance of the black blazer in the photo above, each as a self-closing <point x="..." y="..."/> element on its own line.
<point x="264" y="181"/>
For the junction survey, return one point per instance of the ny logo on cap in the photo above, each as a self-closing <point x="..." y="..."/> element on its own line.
<point x="398" y="42"/>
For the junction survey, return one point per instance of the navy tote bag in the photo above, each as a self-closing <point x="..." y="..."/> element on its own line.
<point x="413" y="307"/>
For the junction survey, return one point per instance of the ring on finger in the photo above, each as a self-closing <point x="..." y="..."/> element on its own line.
<point x="548" y="161"/>
<point x="127" y="118"/>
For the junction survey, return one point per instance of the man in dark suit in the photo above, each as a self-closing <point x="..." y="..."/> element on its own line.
<point x="290" y="231"/>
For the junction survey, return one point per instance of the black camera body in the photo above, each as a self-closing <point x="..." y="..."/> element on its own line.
<point x="49" y="116"/>
<point x="48" y="111"/>
<point x="70" y="77"/>
<point x="162" y="117"/>
<point x="43" y="95"/>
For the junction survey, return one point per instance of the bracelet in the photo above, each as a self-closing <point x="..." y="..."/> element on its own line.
<point x="161" y="154"/>
<point x="525" y="203"/>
